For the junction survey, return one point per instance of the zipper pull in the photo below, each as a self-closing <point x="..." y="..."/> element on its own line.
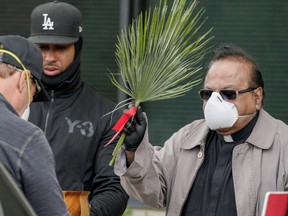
<point x="52" y="95"/>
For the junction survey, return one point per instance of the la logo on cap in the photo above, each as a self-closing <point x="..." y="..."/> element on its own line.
<point x="48" y="24"/>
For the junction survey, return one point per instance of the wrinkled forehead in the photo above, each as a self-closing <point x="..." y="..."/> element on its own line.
<point x="227" y="73"/>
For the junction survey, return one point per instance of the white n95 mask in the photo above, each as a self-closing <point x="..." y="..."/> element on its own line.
<point x="26" y="113"/>
<point x="219" y="113"/>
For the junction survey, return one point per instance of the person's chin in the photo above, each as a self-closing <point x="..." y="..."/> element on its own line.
<point x="225" y="131"/>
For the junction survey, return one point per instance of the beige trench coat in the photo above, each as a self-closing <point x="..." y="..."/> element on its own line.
<point x="162" y="177"/>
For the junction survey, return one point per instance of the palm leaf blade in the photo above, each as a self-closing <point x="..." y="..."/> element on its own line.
<point x="159" y="55"/>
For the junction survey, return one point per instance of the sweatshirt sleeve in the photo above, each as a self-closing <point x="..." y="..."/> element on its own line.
<point x="108" y="198"/>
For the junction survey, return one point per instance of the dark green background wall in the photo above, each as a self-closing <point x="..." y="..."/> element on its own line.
<point x="260" y="27"/>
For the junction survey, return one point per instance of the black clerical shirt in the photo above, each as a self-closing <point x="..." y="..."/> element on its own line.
<point x="212" y="193"/>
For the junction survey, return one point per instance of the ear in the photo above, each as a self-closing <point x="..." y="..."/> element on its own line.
<point x="22" y="84"/>
<point x="258" y="97"/>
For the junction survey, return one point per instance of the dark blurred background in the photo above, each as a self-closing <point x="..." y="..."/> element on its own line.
<point x="260" y="27"/>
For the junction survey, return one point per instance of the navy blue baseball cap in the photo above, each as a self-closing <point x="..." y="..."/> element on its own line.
<point x="55" y="23"/>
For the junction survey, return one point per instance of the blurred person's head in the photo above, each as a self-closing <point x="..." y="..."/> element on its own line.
<point x="20" y="72"/>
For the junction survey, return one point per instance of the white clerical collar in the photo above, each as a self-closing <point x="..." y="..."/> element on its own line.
<point x="228" y="138"/>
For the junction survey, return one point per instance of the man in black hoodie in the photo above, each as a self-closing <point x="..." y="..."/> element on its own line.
<point x="73" y="119"/>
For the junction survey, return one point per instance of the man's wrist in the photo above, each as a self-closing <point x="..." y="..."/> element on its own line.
<point x="129" y="157"/>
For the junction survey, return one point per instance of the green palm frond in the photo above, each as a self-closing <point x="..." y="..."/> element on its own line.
<point x="159" y="55"/>
<point x="160" y="51"/>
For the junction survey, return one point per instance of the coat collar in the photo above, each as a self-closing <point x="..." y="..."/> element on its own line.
<point x="265" y="124"/>
<point x="264" y="131"/>
<point x="196" y="135"/>
<point x="5" y="102"/>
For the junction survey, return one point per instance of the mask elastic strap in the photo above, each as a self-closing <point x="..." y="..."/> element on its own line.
<point x="247" y="115"/>
<point x="25" y="70"/>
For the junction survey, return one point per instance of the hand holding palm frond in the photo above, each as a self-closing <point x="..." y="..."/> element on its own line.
<point x="159" y="55"/>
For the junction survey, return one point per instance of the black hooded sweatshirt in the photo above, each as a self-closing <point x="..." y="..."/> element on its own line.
<point x="77" y="126"/>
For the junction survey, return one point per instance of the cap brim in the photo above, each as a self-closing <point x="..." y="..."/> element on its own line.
<point x="52" y="39"/>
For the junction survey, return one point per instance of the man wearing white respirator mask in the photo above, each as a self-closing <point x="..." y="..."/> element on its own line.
<point x="221" y="165"/>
